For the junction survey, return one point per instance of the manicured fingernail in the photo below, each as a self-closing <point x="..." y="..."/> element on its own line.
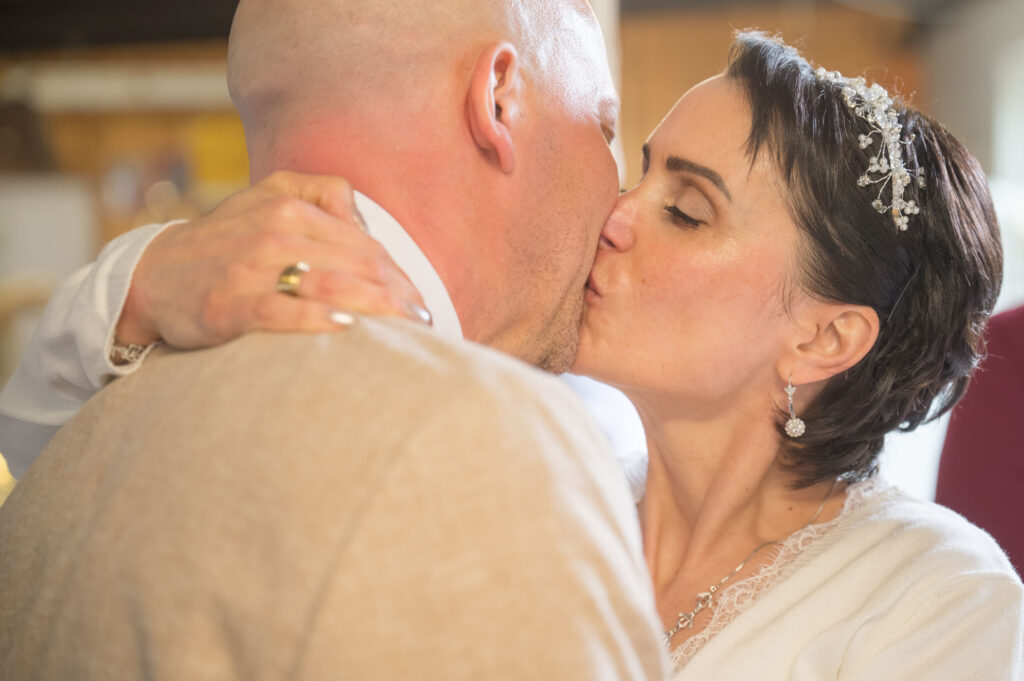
<point x="342" y="318"/>
<point x="414" y="311"/>
<point x="359" y="220"/>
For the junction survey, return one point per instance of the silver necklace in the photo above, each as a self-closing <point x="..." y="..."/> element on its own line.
<point x="705" y="599"/>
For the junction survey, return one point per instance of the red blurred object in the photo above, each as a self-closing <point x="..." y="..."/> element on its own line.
<point x="981" y="473"/>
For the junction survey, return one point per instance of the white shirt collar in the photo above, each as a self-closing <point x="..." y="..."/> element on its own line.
<point x="404" y="251"/>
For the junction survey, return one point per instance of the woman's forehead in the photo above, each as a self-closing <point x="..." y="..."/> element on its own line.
<point x="711" y="121"/>
<point x="710" y="125"/>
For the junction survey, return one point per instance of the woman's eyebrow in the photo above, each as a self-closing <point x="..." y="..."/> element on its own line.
<point x="675" y="164"/>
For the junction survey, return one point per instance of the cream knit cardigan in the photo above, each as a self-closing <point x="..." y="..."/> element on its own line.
<point x="894" y="589"/>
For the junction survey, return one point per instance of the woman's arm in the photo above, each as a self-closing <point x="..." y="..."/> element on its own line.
<point x="196" y="284"/>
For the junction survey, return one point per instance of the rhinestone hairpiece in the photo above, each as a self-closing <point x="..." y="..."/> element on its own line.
<point x="873" y="104"/>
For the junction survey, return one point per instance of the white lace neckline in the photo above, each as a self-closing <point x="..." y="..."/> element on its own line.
<point x="784" y="557"/>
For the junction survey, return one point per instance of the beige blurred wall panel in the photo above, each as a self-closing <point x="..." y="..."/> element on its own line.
<point x="47" y="231"/>
<point x="664" y="53"/>
<point x="96" y="86"/>
<point x="976" y="77"/>
<point x="47" y="225"/>
<point x="1008" y="114"/>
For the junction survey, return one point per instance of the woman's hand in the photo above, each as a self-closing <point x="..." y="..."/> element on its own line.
<point x="207" y="281"/>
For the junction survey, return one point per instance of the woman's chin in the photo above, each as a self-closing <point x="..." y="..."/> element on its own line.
<point x="586" y="362"/>
<point x="595" y="355"/>
<point x="580" y="369"/>
<point x="580" y="366"/>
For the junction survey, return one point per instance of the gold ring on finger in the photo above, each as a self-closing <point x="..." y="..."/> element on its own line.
<point x="290" y="278"/>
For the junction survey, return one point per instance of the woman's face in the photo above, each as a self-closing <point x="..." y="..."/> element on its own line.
<point x="695" y="264"/>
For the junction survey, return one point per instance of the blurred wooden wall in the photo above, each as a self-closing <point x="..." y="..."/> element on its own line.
<point x="664" y="53"/>
<point x="200" y="151"/>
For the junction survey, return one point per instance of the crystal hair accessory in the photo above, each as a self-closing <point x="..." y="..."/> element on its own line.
<point x="873" y="104"/>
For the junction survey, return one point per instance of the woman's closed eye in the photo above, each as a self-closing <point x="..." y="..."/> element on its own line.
<point x="682" y="218"/>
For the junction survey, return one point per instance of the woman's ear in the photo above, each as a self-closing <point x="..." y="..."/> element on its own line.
<point x="843" y="335"/>
<point x="494" y="103"/>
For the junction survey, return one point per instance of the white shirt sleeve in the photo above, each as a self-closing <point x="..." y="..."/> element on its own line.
<point x="68" y="359"/>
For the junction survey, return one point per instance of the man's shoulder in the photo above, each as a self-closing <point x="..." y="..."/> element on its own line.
<point x="433" y="356"/>
<point x="373" y="358"/>
<point x="288" y="412"/>
<point x="377" y="371"/>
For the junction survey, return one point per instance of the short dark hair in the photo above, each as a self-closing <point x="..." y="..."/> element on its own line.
<point x="932" y="286"/>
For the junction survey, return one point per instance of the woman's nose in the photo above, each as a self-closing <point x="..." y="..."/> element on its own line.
<point x="618" y="232"/>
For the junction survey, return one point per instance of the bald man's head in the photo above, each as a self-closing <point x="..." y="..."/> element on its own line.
<point x="480" y="125"/>
<point x="335" y="55"/>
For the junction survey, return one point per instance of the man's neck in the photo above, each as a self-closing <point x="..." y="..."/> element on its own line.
<point x="410" y="258"/>
<point x="417" y="188"/>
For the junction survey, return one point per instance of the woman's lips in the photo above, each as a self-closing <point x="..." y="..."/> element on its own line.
<point x="592" y="287"/>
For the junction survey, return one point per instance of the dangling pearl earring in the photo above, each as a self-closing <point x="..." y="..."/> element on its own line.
<point x="794" y="426"/>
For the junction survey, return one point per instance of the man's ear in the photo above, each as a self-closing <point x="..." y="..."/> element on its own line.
<point x="494" y="102"/>
<point x="842" y="336"/>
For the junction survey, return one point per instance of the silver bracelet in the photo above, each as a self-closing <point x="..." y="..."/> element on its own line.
<point x="127" y="354"/>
